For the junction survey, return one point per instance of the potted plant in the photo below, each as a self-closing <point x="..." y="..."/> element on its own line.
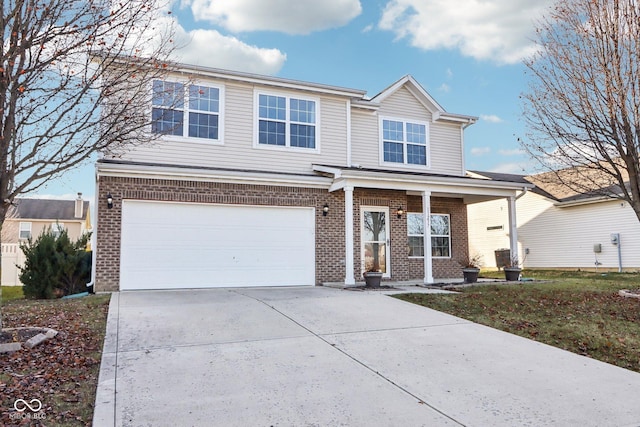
<point x="372" y="278"/>
<point x="471" y="268"/>
<point x="513" y="270"/>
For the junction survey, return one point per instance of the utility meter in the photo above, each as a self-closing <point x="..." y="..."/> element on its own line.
<point x="615" y="238"/>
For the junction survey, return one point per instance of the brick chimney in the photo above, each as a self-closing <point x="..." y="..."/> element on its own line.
<point x="79" y="212"/>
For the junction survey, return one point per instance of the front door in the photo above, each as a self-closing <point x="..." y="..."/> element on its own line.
<point x="374" y="232"/>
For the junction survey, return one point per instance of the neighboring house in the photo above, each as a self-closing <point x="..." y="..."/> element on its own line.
<point x="27" y="218"/>
<point x="265" y="181"/>
<point x="557" y="228"/>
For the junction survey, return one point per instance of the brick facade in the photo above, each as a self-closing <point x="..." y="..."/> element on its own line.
<point x="330" y="238"/>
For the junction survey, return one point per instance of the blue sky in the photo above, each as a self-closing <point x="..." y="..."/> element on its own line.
<point x="466" y="53"/>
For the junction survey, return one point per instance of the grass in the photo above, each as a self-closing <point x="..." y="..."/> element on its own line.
<point x="62" y="372"/>
<point x="576" y="311"/>
<point x="10" y="293"/>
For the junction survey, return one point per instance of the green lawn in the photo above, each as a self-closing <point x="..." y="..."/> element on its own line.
<point x="576" y="311"/>
<point x="11" y="293"/>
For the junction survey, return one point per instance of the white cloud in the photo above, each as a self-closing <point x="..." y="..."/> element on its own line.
<point x="480" y="151"/>
<point x="511" y="152"/>
<point x="368" y="28"/>
<point x="298" y="17"/>
<point x="444" y="88"/>
<point x="222" y="51"/>
<point x="491" y="118"/>
<point x="449" y="73"/>
<point x="496" y="30"/>
<point x="226" y="52"/>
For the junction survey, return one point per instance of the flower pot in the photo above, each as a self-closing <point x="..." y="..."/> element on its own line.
<point x="512" y="274"/>
<point x="470" y="274"/>
<point x="372" y="279"/>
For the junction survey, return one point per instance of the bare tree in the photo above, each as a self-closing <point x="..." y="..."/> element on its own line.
<point x="583" y="104"/>
<point x="75" y="78"/>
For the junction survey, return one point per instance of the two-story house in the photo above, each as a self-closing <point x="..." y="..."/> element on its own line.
<point x="265" y="181"/>
<point x="28" y="218"/>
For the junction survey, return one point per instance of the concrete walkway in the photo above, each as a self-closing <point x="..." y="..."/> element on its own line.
<point x="328" y="357"/>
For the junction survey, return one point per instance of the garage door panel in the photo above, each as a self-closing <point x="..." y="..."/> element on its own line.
<point x="172" y="245"/>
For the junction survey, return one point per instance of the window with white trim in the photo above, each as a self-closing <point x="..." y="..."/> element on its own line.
<point x="24" y="231"/>
<point x="57" y="228"/>
<point x="191" y="111"/>
<point x="285" y="121"/>
<point x="404" y="142"/>
<point x="440" y="225"/>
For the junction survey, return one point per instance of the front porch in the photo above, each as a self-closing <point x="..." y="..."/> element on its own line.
<point x="418" y="246"/>
<point x="417" y="285"/>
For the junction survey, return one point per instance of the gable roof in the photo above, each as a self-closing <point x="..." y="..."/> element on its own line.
<point x="424" y="98"/>
<point x="46" y="209"/>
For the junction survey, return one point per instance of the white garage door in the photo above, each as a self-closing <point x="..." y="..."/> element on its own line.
<point x="187" y="245"/>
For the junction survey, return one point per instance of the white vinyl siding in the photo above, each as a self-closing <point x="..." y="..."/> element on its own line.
<point x="557" y="237"/>
<point x="365" y="139"/>
<point x="446" y="148"/>
<point x="444" y="140"/>
<point x="238" y="151"/>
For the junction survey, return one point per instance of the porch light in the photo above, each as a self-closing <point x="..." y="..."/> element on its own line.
<point x="109" y="201"/>
<point x="400" y="212"/>
<point x="325" y="209"/>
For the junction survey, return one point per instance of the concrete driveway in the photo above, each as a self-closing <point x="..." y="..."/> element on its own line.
<point x="329" y="357"/>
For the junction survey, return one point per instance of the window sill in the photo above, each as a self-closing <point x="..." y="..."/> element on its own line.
<point x="287" y="149"/>
<point x="190" y="140"/>
<point x="433" y="257"/>
<point x="406" y="165"/>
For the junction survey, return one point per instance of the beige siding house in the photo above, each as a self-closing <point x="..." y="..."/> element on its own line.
<point x="263" y="181"/>
<point x="28" y="218"/>
<point x="558" y="230"/>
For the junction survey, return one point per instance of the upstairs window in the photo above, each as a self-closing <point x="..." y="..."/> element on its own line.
<point x="25" y="231"/>
<point x="168" y="108"/>
<point x="191" y="111"/>
<point x="286" y="122"/>
<point x="404" y="142"/>
<point x="57" y="228"/>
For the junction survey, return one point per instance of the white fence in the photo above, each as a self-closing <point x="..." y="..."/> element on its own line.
<point x="11" y="255"/>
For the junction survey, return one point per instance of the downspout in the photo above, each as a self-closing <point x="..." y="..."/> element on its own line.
<point x="464" y="162"/>
<point x="94" y="235"/>
<point x="524" y="191"/>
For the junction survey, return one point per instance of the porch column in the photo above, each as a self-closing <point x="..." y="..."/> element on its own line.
<point x="348" y="236"/>
<point x="513" y="228"/>
<point x="426" y="217"/>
